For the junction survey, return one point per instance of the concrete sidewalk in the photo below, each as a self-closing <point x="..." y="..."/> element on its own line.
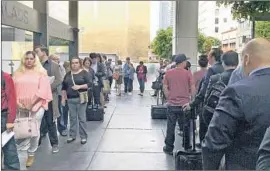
<point x="127" y="139"/>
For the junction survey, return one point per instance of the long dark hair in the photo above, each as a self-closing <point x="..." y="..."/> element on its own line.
<point x="87" y="59"/>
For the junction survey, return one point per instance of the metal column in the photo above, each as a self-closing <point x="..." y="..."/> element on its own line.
<point x="43" y="37"/>
<point x="73" y="22"/>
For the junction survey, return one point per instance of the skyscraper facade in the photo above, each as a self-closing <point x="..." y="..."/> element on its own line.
<point x="120" y="27"/>
<point x="165" y="14"/>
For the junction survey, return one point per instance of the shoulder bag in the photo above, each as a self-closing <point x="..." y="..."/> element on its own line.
<point x="25" y="127"/>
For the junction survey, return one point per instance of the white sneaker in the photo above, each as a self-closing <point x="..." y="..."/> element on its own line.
<point x="130" y="94"/>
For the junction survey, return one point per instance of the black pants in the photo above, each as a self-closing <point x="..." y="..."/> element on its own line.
<point x="96" y="95"/>
<point x="175" y="114"/>
<point x="205" y="119"/>
<point x="110" y="80"/>
<point x="48" y="125"/>
<point x="62" y="121"/>
<point x="126" y="79"/>
<point x="11" y="159"/>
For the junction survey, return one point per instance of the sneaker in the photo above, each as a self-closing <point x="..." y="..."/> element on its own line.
<point x="83" y="141"/>
<point x="71" y="140"/>
<point x="165" y="150"/>
<point x="180" y="133"/>
<point x="64" y="133"/>
<point x="130" y="94"/>
<point x="30" y="161"/>
<point x="55" y="149"/>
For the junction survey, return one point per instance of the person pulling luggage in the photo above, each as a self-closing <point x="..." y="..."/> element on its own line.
<point x="179" y="86"/>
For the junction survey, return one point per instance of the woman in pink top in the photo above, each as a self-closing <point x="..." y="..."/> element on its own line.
<point x="33" y="92"/>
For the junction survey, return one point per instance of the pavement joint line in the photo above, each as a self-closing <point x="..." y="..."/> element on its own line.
<point x="131" y="152"/>
<point x="139" y="129"/>
<point x="95" y="151"/>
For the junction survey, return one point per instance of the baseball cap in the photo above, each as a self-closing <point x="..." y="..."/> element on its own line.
<point x="180" y="58"/>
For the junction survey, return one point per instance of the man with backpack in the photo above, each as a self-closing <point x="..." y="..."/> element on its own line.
<point x="8" y="115"/>
<point x="242" y="114"/>
<point x="217" y="84"/>
<point x="214" y="59"/>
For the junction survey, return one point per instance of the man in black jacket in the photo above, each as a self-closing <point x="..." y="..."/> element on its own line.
<point x="229" y="62"/>
<point x="242" y="114"/>
<point x="214" y="58"/>
<point x="263" y="162"/>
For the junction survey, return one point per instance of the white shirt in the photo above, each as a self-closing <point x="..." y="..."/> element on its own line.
<point x="94" y="67"/>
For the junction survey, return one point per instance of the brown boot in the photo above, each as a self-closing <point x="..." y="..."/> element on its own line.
<point x="30" y="161"/>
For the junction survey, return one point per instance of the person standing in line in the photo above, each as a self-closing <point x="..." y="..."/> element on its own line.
<point x="8" y="115"/>
<point x="110" y="71"/>
<point x="104" y="77"/>
<point x="118" y="76"/>
<point x="179" y="87"/>
<point x="198" y="75"/>
<point x="63" y="119"/>
<point x="126" y="75"/>
<point x="131" y="73"/>
<point x="50" y="116"/>
<point x="75" y="82"/>
<point x="99" y="75"/>
<point x="33" y="91"/>
<point x="91" y="73"/>
<point x="160" y="73"/>
<point x="237" y="75"/>
<point x="242" y="114"/>
<point x="263" y="162"/>
<point x="141" y="71"/>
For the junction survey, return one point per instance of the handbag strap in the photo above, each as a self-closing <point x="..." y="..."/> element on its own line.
<point x="29" y="113"/>
<point x="72" y="78"/>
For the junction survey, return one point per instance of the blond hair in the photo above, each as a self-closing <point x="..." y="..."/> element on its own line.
<point x="37" y="65"/>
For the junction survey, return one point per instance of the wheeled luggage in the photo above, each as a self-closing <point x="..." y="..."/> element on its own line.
<point x="94" y="112"/>
<point x="159" y="112"/>
<point x="189" y="159"/>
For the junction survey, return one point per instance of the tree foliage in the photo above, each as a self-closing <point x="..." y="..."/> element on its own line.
<point x="247" y="9"/>
<point x="262" y="29"/>
<point x="205" y="43"/>
<point x="162" y="44"/>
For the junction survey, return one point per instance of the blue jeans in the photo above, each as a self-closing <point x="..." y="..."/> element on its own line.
<point x="130" y="85"/>
<point x="126" y="80"/>
<point x="62" y="120"/>
<point x="142" y="84"/>
<point x="11" y="159"/>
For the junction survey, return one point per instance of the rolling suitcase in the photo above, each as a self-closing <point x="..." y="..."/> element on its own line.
<point x="189" y="159"/>
<point x="158" y="112"/>
<point x="94" y="112"/>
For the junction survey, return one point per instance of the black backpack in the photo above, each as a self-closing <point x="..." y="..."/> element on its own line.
<point x="214" y="94"/>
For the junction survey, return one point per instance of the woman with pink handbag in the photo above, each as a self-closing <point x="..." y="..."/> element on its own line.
<point x="33" y="93"/>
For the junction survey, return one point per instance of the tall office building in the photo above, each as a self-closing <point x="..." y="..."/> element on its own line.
<point x="213" y="20"/>
<point x="166" y="14"/>
<point x="121" y="27"/>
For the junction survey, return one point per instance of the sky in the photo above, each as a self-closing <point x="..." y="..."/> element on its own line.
<point x="154" y="19"/>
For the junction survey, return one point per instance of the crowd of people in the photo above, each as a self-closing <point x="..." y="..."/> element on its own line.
<point x="232" y="102"/>
<point x="49" y="93"/>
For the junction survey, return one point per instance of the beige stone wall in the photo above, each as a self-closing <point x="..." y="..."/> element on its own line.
<point x="115" y="27"/>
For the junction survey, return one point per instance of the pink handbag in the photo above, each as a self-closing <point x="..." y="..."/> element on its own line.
<point x="25" y="127"/>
